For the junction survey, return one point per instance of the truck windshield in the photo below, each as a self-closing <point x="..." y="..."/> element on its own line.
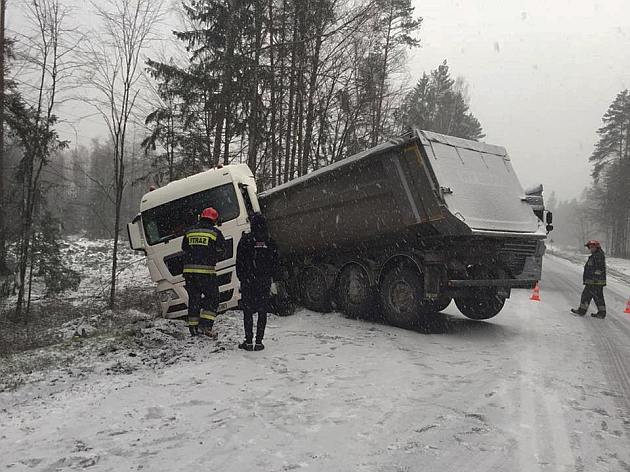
<point x="170" y="220"/>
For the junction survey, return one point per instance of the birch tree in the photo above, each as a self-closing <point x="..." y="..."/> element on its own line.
<point x="114" y="68"/>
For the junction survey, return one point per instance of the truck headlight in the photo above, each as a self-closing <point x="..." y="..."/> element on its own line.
<point x="167" y="295"/>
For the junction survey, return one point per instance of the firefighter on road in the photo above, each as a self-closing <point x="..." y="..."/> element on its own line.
<point x="256" y="264"/>
<point x="203" y="244"/>
<point x="594" y="281"/>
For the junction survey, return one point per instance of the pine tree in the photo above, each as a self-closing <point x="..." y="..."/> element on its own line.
<point x="395" y="31"/>
<point x="283" y="85"/>
<point x="611" y="172"/>
<point x="58" y="276"/>
<point x="438" y="104"/>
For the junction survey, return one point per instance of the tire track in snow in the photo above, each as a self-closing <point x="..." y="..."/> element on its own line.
<point x="613" y="352"/>
<point x="547" y="444"/>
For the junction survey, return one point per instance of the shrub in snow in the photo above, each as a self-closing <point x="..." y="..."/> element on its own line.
<point x="52" y="266"/>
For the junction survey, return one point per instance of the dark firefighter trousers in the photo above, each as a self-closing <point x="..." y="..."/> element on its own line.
<point x="595" y="293"/>
<point x="203" y="299"/>
<point x="248" y="321"/>
<point x="255" y="299"/>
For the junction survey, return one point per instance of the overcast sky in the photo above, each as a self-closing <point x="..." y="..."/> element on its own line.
<point x="541" y="74"/>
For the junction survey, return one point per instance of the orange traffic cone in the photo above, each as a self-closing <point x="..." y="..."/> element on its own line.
<point x="627" y="310"/>
<point x="535" y="294"/>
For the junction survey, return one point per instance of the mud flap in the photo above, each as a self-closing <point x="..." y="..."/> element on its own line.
<point x="433" y="275"/>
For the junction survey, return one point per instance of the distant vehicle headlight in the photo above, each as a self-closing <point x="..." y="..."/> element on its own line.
<point x="167" y="295"/>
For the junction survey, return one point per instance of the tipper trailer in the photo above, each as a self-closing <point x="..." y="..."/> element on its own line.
<point x="403" y="228"/>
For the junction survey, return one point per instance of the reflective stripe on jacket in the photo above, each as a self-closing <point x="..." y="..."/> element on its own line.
<point x="203" y="245"/>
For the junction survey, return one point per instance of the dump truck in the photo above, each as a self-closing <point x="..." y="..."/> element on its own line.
<point x="399" y="230"/>
<point x="403" y="229"/>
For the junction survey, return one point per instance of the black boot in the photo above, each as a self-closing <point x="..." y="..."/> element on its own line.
<point x="600" y="314"/>
<point x="578" y="311"/>
<point x="259" y="346"/>
<point x="206" y="330"/>
<point x="248" y="346"/>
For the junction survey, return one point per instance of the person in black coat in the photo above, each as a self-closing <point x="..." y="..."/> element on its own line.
<point x="594" y="280"/>
<point x="256" y="264"/>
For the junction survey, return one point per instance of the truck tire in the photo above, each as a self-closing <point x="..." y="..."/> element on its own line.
<point x="435" y="306"/>
<point x="481" y="307"/>
<point x="314" y="292"/>
<point x="281" y="303"/>
<point x="401" y="295"/>
<point x="354" y="292"/>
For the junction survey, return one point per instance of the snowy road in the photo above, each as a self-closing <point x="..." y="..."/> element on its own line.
<point x="534" y="389"/>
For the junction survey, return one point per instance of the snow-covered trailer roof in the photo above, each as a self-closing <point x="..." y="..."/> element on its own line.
<point x="479" y="184"/>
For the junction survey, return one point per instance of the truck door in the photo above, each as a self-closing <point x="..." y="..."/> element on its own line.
<point x="250" y="198"/>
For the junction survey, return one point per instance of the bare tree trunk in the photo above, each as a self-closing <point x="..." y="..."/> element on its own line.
<point x="114" y="69"/>
<point x="48" y="16"/>
<point x="295" y="137"/>
<point x="322" y="124"/>
<point x="255" y="112"/>
<point x="288" y="161"/>
<point x="3" y="237"/>
<point x="216" y="153"/>
<point x="310" y="107"/>
<point x="272" y="99"/>
<point x="30" y="279"/>
<point x="228" y="99"/>
<point x="300" y="129"/>
<point x="376" y="132"/>
<point x="208" y="126"/>
<point x="280" y="77"/>
<point x="170" y="143"/>
<point x="119" y="182"/>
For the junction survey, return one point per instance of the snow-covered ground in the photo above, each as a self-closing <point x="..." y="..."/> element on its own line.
<point x="92" y="259"/>
<point x="534" y="389"/>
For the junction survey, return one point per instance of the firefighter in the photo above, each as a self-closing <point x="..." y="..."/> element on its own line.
<point x="594" y="280"/>
<point x="202" y="244"/>
<point x="256" y="264"/>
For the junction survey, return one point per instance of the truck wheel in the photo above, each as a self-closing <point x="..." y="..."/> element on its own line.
<point x="401" y="296"/>
<point x="440" y="304"/>
<point x="281" y="303"/>
<point x="354" y="292"/>
<point x="483" y="306"/>
<point x="314" y="290"/>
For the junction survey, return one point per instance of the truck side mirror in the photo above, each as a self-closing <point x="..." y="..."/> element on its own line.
<point x="136" y="241"/>
<point x="549" y="219"/>
<point x="253" y="198"/>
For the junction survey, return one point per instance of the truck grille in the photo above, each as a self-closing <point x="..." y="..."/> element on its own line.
<point x="514" y="252"/>
<point x="175" y="262"/>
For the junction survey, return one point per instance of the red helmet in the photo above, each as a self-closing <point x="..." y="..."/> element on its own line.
<point x="210" y="213"/>
<point x="593" y="242"/>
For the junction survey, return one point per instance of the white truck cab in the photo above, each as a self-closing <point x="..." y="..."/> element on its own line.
<point x="166" y="213"/>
